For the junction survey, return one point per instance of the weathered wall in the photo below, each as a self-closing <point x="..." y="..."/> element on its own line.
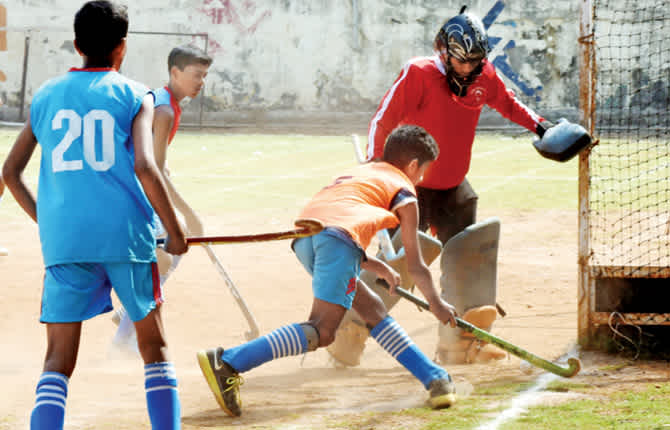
<point x="286" y="60"/>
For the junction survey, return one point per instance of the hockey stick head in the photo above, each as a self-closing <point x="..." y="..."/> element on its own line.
<point x="308" y="226"/>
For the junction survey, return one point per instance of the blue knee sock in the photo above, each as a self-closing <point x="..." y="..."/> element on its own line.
<point x="160" y="382"/>
<point x="49" y="410"/>
<point x="396" y="342"/>
<point x="282" y="342"/>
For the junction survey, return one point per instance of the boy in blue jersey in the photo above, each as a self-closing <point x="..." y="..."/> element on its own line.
<point x="188" y="67"/>
<point x="98" y="189"/>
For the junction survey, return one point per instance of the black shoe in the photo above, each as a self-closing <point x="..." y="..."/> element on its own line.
<point x="223" y="380"/>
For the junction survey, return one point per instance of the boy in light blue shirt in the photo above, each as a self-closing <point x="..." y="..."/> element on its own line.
<point x="98" y="188"/>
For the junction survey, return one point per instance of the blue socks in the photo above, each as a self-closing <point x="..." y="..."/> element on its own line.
<point x="162" y="399"/>
<point x="396" y="342"/>
<point x="282" y="342"/>
<point x="160" y="382"/>
<point x="49" y="410"/>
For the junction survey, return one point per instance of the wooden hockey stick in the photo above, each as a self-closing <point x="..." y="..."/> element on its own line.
<point x="254" y="331"/>
<point x="574" y="364"/>
<point x="305" y="227"/>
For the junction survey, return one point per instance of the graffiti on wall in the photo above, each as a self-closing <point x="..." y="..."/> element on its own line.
<point x="501" y="61"/>
<point x="243" y="15"/>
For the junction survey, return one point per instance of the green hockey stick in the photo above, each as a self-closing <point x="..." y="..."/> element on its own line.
<point x="573" y="363"/>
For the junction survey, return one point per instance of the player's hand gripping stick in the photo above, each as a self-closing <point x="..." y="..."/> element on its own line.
<point x="304" y="228"/>
<point x="574" y="364"/>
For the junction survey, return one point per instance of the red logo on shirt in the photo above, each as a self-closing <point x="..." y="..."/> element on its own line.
<point x="352" y="286"/>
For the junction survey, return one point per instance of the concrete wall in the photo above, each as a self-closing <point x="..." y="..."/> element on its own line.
<point x="300" y="61"/>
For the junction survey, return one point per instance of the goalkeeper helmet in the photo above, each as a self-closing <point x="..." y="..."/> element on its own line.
<point x="464" y="38"/>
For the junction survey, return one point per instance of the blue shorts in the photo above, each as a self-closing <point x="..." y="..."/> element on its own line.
<point x="334" y="265"/>
<point x="79" y="291"/>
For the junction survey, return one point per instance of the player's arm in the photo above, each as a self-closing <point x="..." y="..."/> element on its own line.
<point x="409" y="222"/>
<point x="559" y="142"/>
<point x="505" y="102"/>
<point x="405" y="95"/>
<point x="382" y="270"/>
<point x="162" y="125"/>
<point x="151" y="179"/>
<point x="15" y="164"/>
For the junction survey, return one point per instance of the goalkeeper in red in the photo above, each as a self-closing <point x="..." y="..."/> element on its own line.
<point x="445" y="93"/>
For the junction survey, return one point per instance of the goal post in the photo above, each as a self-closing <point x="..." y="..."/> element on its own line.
<point x="624" y="181"/>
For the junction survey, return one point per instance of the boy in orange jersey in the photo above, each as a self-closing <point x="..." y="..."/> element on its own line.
<point x="366" y="199"/>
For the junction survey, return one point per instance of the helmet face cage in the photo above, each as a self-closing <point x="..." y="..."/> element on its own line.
<point x="464" y="38"/>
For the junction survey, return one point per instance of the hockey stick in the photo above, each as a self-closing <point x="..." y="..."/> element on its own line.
<point x="254" y="331"/>
<point x="574" y="364"/>
<point x="305" y="227"/>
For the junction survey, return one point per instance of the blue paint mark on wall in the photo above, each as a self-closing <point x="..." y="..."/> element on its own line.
<point x="501" y="61"/>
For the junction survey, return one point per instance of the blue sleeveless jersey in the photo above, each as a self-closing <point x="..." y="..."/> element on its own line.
<point x="90" y="205"/>
<point x="161" y="96"/>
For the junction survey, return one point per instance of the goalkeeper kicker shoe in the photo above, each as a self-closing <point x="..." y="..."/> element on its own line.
<point x="222" y="379"/>
<point x="442" y="393"/>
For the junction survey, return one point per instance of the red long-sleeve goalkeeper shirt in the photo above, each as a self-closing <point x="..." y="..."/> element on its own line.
<point x="421" y="96"/>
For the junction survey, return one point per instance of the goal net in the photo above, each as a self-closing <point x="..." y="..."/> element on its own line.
<point x="629" y="170"/>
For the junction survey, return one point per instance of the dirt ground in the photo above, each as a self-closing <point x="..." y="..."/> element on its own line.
<point x="537" y="286"/>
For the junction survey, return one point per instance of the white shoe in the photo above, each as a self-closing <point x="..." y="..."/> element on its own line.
<point x="3" y="252"/>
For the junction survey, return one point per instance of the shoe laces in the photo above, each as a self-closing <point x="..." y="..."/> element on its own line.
<point x="234" y="382"/>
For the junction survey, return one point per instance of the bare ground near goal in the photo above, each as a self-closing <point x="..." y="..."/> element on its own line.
<point x="537" y="286"/>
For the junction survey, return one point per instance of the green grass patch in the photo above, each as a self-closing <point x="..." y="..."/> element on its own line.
<point x="644" y="410"/>
<point x="263" y="174"/>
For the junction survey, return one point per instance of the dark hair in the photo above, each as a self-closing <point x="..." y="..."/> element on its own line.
<point x="408" y="142"/>
<point x="185" y="55"/>
<point x="99" y="27"/>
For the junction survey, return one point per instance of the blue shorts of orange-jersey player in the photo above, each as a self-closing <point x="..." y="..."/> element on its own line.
<point x="334" y="261"/>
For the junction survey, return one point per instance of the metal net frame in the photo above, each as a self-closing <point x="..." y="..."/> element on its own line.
<point x="625" y="178"/>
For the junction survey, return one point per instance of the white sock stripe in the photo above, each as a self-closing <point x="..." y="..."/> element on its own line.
<point x="161" y="388"/>
<point x="282" y="341"/>
<point x="268" y="337"/>
<point x="54" y="375"/>
<point x="159" y="370"/>
<point x="394" y="339"/>
<point x="399" y="346"/>
<point x="401" y="350"/>
<point x="163" y="365"/>
<point x="51" y="387"/>
<point x="296" y="336"/>
<point x="52" y="396"/>
<point x="288" y="341"/>
<point x="50" y="402"/>
<point x="291" y="340"/>
<point x="161" y="375"/>
<point x="394" y="343"/>
<point x="384" y="334"/>
<point x="274" y="338"/>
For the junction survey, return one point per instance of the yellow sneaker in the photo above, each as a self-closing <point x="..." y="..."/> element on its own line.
<point x="442" y="393"/>
<point x="222" y="379"/>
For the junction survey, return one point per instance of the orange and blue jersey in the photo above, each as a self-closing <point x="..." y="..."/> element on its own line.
<point x="362" y="201"/>
<point x="163" y="96"/>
